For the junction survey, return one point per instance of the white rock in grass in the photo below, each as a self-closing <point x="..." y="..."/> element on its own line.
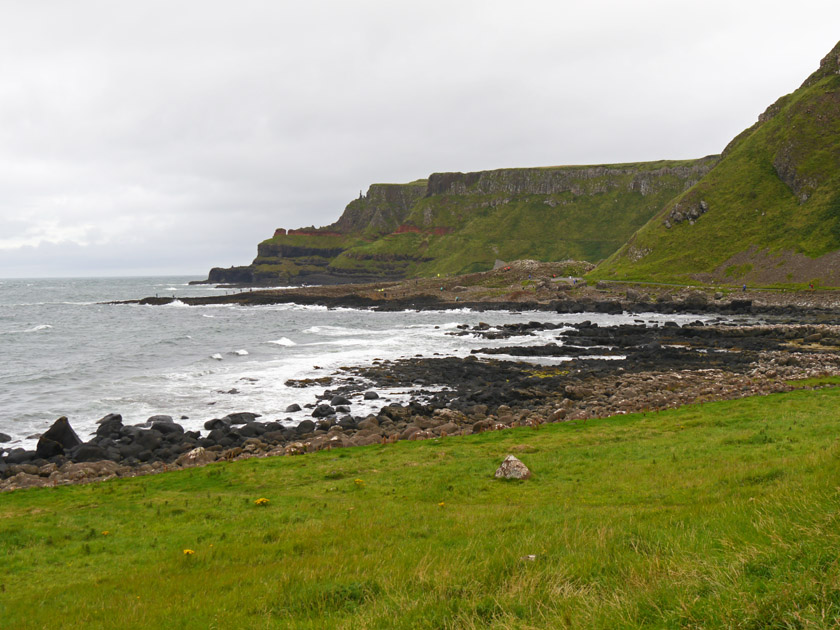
<point x="512" y="468"/>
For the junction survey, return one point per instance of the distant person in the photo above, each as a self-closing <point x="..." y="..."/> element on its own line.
<point x="744" y="288"/>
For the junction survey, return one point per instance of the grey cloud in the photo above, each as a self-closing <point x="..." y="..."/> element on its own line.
<point x="171" y="137"/>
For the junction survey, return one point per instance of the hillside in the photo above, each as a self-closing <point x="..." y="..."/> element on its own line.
<point x="768" y="213"/>
<point x="455" y="223"/>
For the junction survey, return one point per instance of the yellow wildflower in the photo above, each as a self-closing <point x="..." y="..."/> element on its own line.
<point x="262" y="501"/>
<point x="188" y="552"/>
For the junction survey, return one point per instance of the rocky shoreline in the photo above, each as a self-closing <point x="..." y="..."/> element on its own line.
<point x="533" y="286"/>
<point x="611" y="370"/>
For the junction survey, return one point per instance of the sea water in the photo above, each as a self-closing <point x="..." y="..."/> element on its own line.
<point x="65" y="352"/>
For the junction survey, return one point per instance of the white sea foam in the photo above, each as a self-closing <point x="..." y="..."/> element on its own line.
<point x="337" y="331"/>
<point x="216" y="356"/>
<point x="241" y="353"/>
<point x="283" y="341"/>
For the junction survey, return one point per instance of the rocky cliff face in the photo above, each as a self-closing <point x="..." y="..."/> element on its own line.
<point x="458" y="222"/>
<point x="591" y="180"/>
<point x="381" y="210"/>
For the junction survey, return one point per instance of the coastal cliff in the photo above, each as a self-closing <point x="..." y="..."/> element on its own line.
<point x="769" y="212"/>
<point x="463" y="222"/>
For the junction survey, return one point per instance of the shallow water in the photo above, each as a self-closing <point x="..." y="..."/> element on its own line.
<point x="66" y="353"/>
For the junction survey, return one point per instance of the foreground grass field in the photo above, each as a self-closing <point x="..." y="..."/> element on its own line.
<point x="725" y="515"/>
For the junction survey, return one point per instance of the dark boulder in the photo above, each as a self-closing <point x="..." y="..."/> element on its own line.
<point x="90" y="453"/>
<point x="293" y="408"/>
<point x="241" y="417"/>
<point x="395" y="412"/>
<point x="159" y="418"/>
<point x="48" y="448"/>
<point x="108" y="425"/>
<point x="273" y="437"/>
<point x="128" y="451"/>
<point x="252" y="429"/>
<point x="109" y="417"/>
<point x="307" y="426"/>
<point x="20" y="456"/>
<point x="215" y="423"/>
<point x="168" y="427"/>
<point x="148" y="439"/>
<point x="5" y="438"/>
<point x="740" y="306"/>
<point x="322" y="411"/>
<point x="216" y="435"/>
<point x="62" y="433"/>
<point x="347" y="422"/>
<point x="339" y="400"/>
<point x="371" y="396"/>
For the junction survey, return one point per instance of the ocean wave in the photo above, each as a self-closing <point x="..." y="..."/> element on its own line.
<point x="37" y="328"/>
<point x="283" y="341"/>
<point x="337" y="331"/>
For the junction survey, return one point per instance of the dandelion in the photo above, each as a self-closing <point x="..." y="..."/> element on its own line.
<point x="441" y="504"/>
<point x="359" y="482"/>
<point x="262" y="502"/>
<point x="105" y="533"/>
<point x="188" y="552"/>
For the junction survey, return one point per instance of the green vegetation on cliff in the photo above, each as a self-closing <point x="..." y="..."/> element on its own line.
<point x="722" y="515"/>
<point x="456" y="223"/>
<point x="769" y="212"/>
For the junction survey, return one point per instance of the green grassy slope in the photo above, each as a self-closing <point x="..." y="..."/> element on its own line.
<point x="773" y="202"/>
<point x="723" y="515"/>
<point x="548" y="214"/>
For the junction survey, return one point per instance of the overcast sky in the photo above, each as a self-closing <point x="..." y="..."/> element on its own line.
<point x="168" y="137"/>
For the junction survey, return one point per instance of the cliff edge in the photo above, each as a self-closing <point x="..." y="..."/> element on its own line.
<point x="454" y="223"/>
